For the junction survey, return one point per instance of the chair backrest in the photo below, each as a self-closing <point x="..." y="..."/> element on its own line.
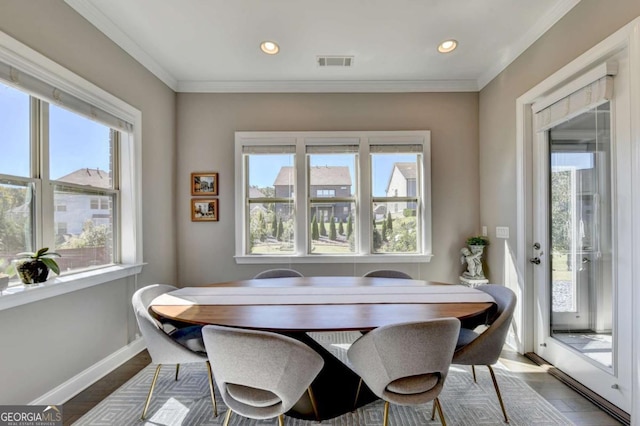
<point x="407" y="350"/>
<point x="162" y="348"/>
<point x="486" y="348"/>
<point x="278" y="273"/>
<point x="388" y="273"/>
<point x="260" y="360"/>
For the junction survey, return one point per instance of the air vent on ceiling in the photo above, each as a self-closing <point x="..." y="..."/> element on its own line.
<point x="335" y="61"/>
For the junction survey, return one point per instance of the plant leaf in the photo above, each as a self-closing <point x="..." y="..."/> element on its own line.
<point x="51" y="264"/>
<point x="42" y="251"/>
<point x="50" y="254"/>
<point x="26" y="254"/>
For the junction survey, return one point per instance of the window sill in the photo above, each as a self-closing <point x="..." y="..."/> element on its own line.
<point x="21" y="295"/>
<point x="377" y="258"/>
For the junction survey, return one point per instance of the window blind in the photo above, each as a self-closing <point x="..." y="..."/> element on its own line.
<point x="584" y="99"/>
<point x="45" y="91"/>
<point x="395" y="148"/>
<point x="332" y="149"/>
<point x="268" y="149"/>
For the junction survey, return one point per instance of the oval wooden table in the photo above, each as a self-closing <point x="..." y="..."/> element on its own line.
<point x="294" y="306"/>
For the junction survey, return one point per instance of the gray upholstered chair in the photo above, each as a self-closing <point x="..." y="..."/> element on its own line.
<point x="278" y="273"/>
<point x="260" y="375"/>
<point x="407" y="363"/>
<point x="388" y="273"/>
<point x="182" y="346"/>
<point x="484" y="348"/>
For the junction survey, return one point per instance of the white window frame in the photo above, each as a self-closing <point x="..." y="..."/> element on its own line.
<point x="24" y="58"/>
<point x="364" y="140"/>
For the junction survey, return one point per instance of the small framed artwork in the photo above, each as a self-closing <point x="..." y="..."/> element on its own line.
<point x="204" y="210"/>
<point x="204" y="183"/>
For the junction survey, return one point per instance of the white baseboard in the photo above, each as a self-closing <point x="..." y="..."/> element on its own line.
<point x="83" y="380"/>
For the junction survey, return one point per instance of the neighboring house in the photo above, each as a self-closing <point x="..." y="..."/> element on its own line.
<point x="72" y="210"/>
<point x="256" y="193"/>
<point x="326" y="182"/>
<point x="402" y="183"/>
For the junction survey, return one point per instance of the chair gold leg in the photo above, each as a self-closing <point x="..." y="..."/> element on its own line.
<point x="211" y="389"/>
<point x="440" y="413"/>
<point x="473" y="370"/>
<point x="355" y="402"/>
<point x="153" y="385"/>
<point x="280" y="420"/>
<point x="314" y="405"/>
<point x="227" y="417"/>
<point x="385" y="422"/>
<point x="177" y="370"/>
<point x="433" y="410"/>
<point x="495" y="385"/>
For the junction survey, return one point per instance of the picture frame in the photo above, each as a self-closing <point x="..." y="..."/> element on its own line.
<point x="204" y="183"/>
<point x="204" y="210"/>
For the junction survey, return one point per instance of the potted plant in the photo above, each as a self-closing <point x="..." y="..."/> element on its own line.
<point x="34" y="268"/>
<point x="6" y="272"/>
<point x="478" y="240"/>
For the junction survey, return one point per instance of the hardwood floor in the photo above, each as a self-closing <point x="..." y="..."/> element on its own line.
<point x="77" y="406"/>
<point x="576" y="408"/>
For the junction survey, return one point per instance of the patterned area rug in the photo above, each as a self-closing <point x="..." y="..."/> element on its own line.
<point x="187" y="402"/>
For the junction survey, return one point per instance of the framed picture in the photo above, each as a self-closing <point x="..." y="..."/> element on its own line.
<point x="204" y="209"/>
<point x="204" y="183"/>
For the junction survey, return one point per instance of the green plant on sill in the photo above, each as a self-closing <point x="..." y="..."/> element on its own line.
<point x="34" y="267"/>
<point x="7" y="269"/>
<point x="478" y="240"/>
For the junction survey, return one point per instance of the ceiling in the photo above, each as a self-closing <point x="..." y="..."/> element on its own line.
<point x="213" y="45"/>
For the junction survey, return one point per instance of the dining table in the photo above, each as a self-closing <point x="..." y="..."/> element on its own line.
<point x="300" y="306"/>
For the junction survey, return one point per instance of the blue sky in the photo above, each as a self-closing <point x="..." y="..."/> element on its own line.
<point x="75" y="142"/>
<point x="265" y="168"/>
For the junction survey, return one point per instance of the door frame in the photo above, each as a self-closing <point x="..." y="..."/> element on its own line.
<point x="628" y="37"/>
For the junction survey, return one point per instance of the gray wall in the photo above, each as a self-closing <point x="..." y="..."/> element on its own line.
<point x="206" y="125"/>
<point x="48" y="342"/>
<point x="583" y="27"/>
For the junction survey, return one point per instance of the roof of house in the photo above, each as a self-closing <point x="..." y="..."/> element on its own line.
<point x="93" y="177"/>
<point x="255" y="192"/>
<point x="320" y="175"/>
<point x="408" y="170"/>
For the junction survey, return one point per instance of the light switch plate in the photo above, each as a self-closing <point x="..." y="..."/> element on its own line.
<point x="502" y="232"/>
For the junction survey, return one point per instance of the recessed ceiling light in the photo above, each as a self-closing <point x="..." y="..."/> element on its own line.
<point x="270" y="47"/>
<point x="447" y="46"/>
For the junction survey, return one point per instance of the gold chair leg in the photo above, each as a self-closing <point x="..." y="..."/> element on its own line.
<point x="177" y="370"/>
<point x="385" y="422"/>
<point x="280" y="420"/>
<point x="355" y="402"/>
<point x="227" y="417"/>
<point x="433" y="410"/>
<point x="314" y="405"/>
<point x="212" y="390"/>
<point x="440" y="414"/>
<point x="495" y="385"/>
<point x="473" y="370"/>
<point x="153" y="385"/>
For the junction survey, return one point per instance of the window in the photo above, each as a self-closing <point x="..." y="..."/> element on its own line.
<point x="308" y="196"/>
<point x="69" y="172"/>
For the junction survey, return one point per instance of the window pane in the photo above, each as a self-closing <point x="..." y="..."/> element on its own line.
<point x="394" y="232"/>
<point x="271" y="228"/>
<point x="394" y="175"/>
<point x="271" y="175"/>
<point x="16" y="212"/>
<point x="84" y="235"/>
<point x="332" y="175"/>
<point x="332" y="228"/>
<point x="80" y="150"/>
<point x="14" y="132"/>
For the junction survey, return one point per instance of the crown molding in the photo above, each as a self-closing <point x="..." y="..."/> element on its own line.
<point x="109" y="28"/>
<point x="328" y="86"/>
<point x="527" y="39"/>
